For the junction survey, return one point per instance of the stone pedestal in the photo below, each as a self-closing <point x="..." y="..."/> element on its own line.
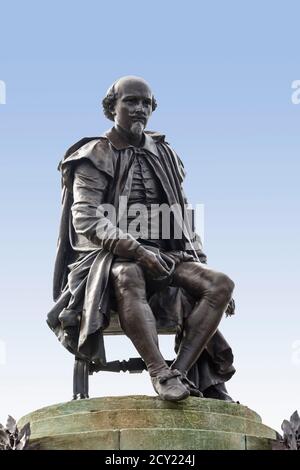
<point x="143" y="422"/>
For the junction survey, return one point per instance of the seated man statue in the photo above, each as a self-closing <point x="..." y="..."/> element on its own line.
<point x="104" y="263"/>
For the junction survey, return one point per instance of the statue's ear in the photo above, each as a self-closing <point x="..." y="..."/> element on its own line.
<point x="112" y="109"/>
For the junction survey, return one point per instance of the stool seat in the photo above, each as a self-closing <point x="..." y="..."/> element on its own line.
<point x="164" y="326"/>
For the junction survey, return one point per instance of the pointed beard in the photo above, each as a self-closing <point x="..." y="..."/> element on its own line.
<point x="137" y="128"/>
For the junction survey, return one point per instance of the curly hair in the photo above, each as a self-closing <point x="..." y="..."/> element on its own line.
<point x="110" y="99"/>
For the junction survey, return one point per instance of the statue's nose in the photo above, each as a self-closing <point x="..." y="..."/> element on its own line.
<point x="139" y="106"/>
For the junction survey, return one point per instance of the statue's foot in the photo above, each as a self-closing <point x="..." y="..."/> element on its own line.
<point x="194" y="391"/>
<point x="80" y="396"/>
<point x="169" y="386"/>
<point x="218" y="392"/>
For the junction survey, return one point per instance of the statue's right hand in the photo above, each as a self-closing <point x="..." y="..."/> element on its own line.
<point x="151" y="262"/>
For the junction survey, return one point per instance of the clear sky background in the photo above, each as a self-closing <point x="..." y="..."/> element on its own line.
<point x="222" y="74"/>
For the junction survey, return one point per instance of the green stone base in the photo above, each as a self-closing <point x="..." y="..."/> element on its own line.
<point x="143" y="422"/>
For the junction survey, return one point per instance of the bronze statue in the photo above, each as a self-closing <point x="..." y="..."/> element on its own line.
<point x="145" y="276"/>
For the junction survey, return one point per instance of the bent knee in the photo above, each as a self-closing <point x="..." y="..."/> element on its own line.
<point x="222" y="286"/>
<point x="128" y="276"/>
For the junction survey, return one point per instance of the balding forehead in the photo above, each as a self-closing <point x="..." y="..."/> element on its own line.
<point x="129" y="85"/>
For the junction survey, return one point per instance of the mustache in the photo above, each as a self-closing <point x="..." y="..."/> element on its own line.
<point x="139" y="117"/>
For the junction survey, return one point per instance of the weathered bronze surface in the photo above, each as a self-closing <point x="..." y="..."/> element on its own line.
<point x="149" y="279"/>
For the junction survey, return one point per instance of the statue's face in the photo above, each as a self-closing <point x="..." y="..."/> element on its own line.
<point x="133" y="106"/>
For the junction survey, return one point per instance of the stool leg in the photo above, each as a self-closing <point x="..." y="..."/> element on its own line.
<point x="80" y="379"/>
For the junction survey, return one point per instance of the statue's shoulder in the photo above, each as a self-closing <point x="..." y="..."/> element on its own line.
<point x="157" y="137"/>
<point x="84" y="142"/>
<point x="161" y="139"/>
<point x="95" y="149"/>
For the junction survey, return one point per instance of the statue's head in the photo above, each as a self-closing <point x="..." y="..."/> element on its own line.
<point x="129" y="102"/>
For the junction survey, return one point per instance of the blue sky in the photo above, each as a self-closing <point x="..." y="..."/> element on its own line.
<point x="222" y="74"/>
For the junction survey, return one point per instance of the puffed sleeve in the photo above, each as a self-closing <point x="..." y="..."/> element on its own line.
<point x="92" y="217"/>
